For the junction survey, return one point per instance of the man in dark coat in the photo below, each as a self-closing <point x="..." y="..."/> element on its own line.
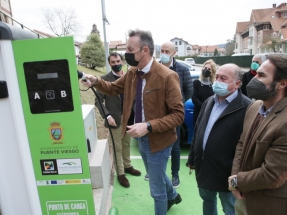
<point x="257" y="60"/>
<point x="113" y="109"/>
<point x="167" y="58"/>
<point x="216" y="134"/>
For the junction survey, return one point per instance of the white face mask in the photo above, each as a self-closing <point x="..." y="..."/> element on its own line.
<point x="220" y="88"/>
<point x="165" y="58"/>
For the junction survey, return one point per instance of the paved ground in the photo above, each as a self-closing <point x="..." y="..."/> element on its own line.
<point x="136" y="200"/>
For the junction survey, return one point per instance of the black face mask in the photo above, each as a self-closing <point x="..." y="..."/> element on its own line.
<point x="257" y="90"/>
<point x="117" y="68"/>
<point x="206" y="73"/>
<point x="130" y="58"/>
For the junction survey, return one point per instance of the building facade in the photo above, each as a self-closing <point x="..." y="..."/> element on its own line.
<point x="6" y="12"/>
<point x="265" y="32"/>
<point x="182" y="47"/>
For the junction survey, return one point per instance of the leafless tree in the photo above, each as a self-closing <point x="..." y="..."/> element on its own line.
<point x="62" y="21"/>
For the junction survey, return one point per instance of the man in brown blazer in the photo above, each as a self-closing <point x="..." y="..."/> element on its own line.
<point x="152" y="91"/>
<point x="113" y="109"/>
<point x="259" y="171"/>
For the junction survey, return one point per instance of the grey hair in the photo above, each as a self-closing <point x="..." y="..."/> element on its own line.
<point x="238" y="74"/>
<point x="145" y="39"/>
<point x="262" y="56"/>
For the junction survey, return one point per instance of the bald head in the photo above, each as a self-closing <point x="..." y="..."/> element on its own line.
<point x="232" y="70"/>
<point x="168" y="48"/>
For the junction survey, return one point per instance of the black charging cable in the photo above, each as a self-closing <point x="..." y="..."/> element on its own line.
<point x="82" y="76"/>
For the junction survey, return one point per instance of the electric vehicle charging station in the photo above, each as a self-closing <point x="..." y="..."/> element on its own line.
<point x="43" y="152"/>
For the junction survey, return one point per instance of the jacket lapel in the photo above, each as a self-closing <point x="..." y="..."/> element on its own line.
<point x="208" y="109"/>
<point x="235" y="104"/>
<point x="249" y="120"/>
<point x="112" y="79"/>
<point x="277" y="108"/>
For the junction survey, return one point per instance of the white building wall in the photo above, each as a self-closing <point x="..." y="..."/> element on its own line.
<point x="181" y="48"/>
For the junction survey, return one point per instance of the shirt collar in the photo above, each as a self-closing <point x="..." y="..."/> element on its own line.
<point x="263" y="112"/>
<point x="146" y="69"/>
<point x="171" y="63"/>
<point x="229" y="99"/>
<point x="115" y="74"/>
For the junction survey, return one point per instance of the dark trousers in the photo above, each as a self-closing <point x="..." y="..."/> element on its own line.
<point x="175" y="155"/>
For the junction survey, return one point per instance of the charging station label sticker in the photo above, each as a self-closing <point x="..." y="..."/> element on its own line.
<point x="61" y="166"/>
<point x="69" y="166"/>
<point x="76" y="207"/>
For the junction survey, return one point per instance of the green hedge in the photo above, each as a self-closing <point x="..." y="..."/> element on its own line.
<point x="241" y="61"/>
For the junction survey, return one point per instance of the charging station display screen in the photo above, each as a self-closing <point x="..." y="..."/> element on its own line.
<point x="49" y="87"/>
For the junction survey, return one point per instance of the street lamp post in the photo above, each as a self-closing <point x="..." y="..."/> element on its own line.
<point x="105" y="37"/>
<point x="206" y="51"/>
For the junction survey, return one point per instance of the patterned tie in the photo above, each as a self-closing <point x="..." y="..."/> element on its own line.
<point x="139" y="98"/>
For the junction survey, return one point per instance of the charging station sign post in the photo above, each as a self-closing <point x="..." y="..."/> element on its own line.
<point x="49" y="90"/>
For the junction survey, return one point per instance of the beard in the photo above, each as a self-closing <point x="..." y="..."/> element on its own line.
<point x="271" y="91"/>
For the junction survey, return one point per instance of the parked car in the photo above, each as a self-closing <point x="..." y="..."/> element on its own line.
<point x="190" y="61"/>
<point x="190" y="67"/>
<point x="187" y="127"/>
<point x="241" y="54"/>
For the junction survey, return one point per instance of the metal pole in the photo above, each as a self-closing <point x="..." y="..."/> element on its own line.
<point x="105" y="38"/>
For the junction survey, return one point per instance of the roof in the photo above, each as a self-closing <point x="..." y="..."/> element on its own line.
<point x="241" y="26"/>
<point x="271" y="16"/>
<point x="277" y="23"/>
<point x="176" y="38"/>
<point x="210" y="49"/>
<point x="196" y="46"/>
<point x="261" y="15"/>
<point x="115" y="43"/>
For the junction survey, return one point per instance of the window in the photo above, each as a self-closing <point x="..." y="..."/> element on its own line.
<point x="175" y="43"/>
<point x="274" y="34"/>
<point x="251" y="32"/>
<point x="250" y="41"/>
<point x="179" y="42"/>
<point x="188" y="48"/>
<point x="176" y="49"/>
<point x="285" y="15"/>
<point x="265" y="27"/>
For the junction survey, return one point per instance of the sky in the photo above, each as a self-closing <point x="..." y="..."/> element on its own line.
<point x="199" y="22"/>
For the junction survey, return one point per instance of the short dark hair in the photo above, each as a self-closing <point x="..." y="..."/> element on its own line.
<point x="145" y="39"/>
<point x="280" y="63"/>
<point x="115" y="54"/>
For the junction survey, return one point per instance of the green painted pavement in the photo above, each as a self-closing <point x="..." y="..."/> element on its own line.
<point x="136" y="200"/>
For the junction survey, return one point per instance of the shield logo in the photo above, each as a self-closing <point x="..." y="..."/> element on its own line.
<point x="56" y="131"/>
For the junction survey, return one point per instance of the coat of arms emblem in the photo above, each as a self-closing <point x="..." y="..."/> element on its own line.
<point x="56" y="131"/>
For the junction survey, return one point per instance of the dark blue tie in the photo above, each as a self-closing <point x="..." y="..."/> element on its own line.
<point x="139" y="98"/>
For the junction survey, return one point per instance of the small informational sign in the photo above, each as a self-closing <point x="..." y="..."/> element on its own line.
<point x="76" y="207"/>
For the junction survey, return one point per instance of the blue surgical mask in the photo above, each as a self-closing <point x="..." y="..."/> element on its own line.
<point x="220" y="88"/>
<point x="165" y="58"/>
<point x="255" y="66"/>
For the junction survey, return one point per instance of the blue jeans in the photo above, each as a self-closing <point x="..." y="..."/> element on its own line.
<point x="175" y="154"/>
<point x="210" y="202"/>
<point x="160" y="185"/>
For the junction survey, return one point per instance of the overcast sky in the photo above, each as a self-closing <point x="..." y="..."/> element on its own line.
<point x="202" y="22"/>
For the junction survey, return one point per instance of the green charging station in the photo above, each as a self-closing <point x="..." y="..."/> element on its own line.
<point x="49" y="91"/>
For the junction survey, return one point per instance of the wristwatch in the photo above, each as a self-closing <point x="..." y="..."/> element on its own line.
<point x="149" y="128"/>
<point x="234" y="182"/>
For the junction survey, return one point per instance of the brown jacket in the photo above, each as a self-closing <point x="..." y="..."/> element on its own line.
<point x="262" y="168"/>
<point x="162" y="102"/>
